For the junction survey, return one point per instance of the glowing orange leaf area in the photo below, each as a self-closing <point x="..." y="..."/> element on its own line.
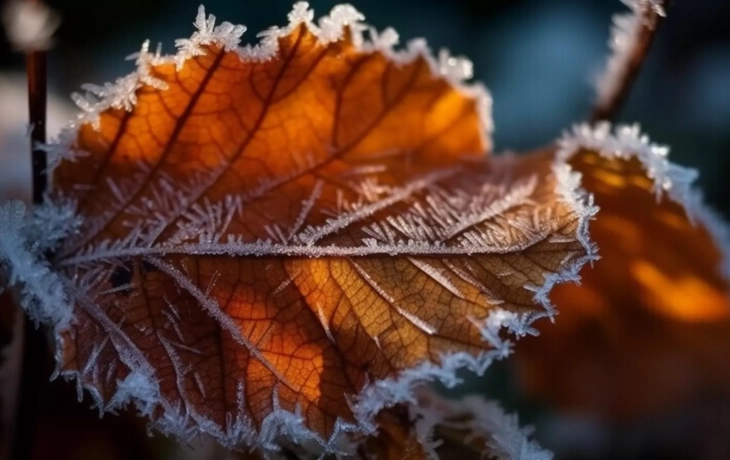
<point x="648" y="329"/>
<point x="262" y="212"/>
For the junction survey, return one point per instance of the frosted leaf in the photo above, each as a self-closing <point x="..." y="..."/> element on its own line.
<point x="302" y="276"/>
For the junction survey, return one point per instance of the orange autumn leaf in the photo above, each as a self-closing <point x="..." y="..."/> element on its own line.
<point x="267" y="234"/>
<point x="648" y="328"/>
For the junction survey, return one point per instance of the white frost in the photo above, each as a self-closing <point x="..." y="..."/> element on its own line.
<point x="139" y="387"/>
<point x="23" y="243"/>
<point x="479" y="418"/>
<point x="122" y="94"/>
<point x="226" y="35"/>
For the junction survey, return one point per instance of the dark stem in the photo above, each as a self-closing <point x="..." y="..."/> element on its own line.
<point x="34" y="345"/>
<point x="32" y="380"/>
<point x="607" y="106"/>
<point x="37" y="95"/>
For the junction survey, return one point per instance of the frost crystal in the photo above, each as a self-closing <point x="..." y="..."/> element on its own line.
<point x="23" y="241"/>
<point x="122" y="94"/>
<point x="139" y="387"/>
<point x="226" y="35"/>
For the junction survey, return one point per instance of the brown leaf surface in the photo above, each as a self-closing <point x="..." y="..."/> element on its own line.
<point x="276" y="234"/>
<point x="648" y="329"/>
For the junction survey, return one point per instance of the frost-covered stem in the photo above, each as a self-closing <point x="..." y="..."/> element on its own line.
<point x="34" y="346"/>
<point x="631" y="38"/>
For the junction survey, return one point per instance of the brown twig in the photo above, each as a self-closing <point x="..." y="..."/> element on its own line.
<point x="30" y="26"/>
<point x="34" y="346"/>
<point x="37" y="98"/>
<point x="632" y="36"/>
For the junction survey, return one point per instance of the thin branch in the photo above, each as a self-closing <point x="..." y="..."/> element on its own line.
<point x="631" y="37"/>
<point x="37" y="98"/>
<point x="30" y="25"/>
<point x="34" y="347"/>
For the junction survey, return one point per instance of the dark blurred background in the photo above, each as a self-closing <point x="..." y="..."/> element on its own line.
<point x="537" y="57"/>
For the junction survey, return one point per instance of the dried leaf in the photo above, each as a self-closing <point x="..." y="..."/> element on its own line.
<point x="284" y="239"/>
<point x="648" y="328"/>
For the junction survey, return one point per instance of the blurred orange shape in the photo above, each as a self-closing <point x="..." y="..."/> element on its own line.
<point x="648" y="328"/>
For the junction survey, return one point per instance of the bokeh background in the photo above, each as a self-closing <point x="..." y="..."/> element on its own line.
<point x="537" y="57"/>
